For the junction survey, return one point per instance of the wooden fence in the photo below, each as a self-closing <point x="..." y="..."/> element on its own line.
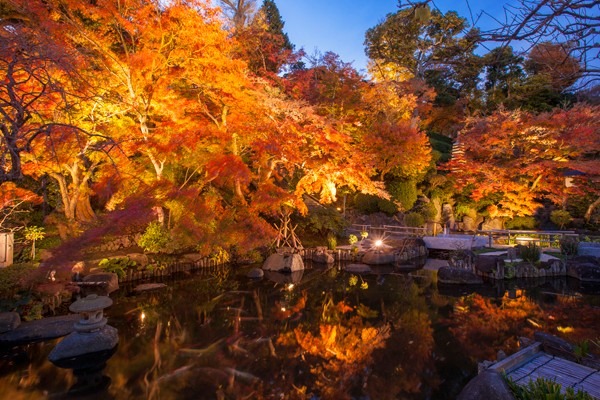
<point x="541" y="238"/>
<point x="388" y="230"/>
<point x="204" y="266"/>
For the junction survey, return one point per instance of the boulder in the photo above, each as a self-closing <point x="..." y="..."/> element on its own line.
<point x="255" y="273"/>
<point x="101" y="284"/>
<point x="284" y="262"/>
<point x="469" y="224"/>
<point x="321" y="255"/>
<point x="358" y="268"/>
<point x="486" y="264"/>
<point x="377" y="257"/>
<point x="488" y="385"/>
<point x="67" y="353"/>
<point x="193" y="257"/>
<point x="492" y="224"/>
<point x="9" y="321"/>
<point x="39" y="330"/>
<point x="586" y="268"/>
<point x="458" y="276"/>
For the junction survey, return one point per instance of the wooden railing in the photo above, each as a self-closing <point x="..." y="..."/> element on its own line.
<point x="388" y="230"/>
<point x="541" y="238"/>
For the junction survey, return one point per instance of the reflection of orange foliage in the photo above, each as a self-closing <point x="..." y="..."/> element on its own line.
<point x="487" y="326"/>
<point x="341" y="352"/>
<point x="282" y="312"/>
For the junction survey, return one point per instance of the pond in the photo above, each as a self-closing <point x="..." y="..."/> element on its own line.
<point x="320" y="334"/>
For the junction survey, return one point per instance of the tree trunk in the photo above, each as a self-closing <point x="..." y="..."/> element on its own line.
<point x="591" y="208"/>
<point x="83" y="209"/>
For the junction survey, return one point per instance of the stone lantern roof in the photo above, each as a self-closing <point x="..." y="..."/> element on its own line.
<point x="93" y="302"/>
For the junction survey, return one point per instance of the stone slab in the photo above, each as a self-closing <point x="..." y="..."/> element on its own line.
<point x="39" y="330"/>
<point x="9" y="321"/>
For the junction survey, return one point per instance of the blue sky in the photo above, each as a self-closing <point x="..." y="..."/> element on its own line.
<point x="340" y="25"/>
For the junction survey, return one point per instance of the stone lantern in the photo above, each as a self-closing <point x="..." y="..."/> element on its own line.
<point x="87" y="349"/>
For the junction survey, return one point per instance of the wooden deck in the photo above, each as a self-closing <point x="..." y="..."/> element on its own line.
<point x="532" y="363"/>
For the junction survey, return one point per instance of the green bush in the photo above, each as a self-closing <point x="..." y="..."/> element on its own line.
<point x="352" y="239"/>
<point x="569" y="246"/>
<point x="414" y="219"/>
<point x="155" y="238"/>
<point x="117" y="266"/>
<point x="464" y="209"/>
<point x="521" y="223"/>
<point x="321" y="221"/>
<point x="531" y="253"/>
<point x="331" y="241"/>
<point x="545" y="389"/>
<point x="404" y="192"/>
<point x="366" y="203"/>
<point x="387" y="206"/>
<point x="428" y="211"/>
<point x="14" y="278"/>
<point x="561" y="218"/>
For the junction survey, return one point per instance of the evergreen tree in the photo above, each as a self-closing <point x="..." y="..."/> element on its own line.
<point x="275" y="23"/>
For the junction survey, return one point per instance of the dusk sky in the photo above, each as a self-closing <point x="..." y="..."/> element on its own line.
<point x="340" y="25"/>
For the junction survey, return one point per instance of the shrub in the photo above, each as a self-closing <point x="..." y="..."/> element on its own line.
<point x="569" y="246"/>
<point x="387" y="206"/>
<point x="521" y="223"/>
<point x="352" y="239"/>
<point x="560" y="218"/>
<point x="545" y="389"/>
<point x="404" y="192"/>
<point x="414" y="219"/>
<point x="331" y="241"/>
<point x="155" y="238"/>
<point x="366" y="203"/>
<point x="322" y="220"/>
<point x="531" y="253"/>
<point x="220" y="256"/>
<point x="429" y="211"/>
<point x="14" y="278"/>
<point x="117" y="266"/>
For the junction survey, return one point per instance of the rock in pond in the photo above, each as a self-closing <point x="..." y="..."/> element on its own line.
<point x="378" y="257"/>
<point x="458" y="276"/>
<point x="321" y="255"/>
<point x="255" y="273"/>
<point x="584" y="268"/>
<point x="488" y="385"/>
<point x="358" y="268"/>
<point x="39" y="330"/>
<point x="101" y="284"/>
<point x="284" y="262"/>
<point x="9" y="321"/>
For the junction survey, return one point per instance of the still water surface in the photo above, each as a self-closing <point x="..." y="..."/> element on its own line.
<point x="320" y="334"/>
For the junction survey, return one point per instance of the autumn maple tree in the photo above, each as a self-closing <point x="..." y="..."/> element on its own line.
<point x="515" y="160"/>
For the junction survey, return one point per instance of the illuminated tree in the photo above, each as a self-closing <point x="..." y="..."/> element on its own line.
<point x="517" y="159"/>
<point x="40" y="82"/>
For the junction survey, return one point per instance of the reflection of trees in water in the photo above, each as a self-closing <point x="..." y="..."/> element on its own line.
<point x="328" y="336"/>
<point x="32" y="370"/>
<point x="338" y="349"/>
<point x="483" y="326"/>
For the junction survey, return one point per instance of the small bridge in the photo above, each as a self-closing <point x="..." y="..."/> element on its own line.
<point x="537" y="361"/>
